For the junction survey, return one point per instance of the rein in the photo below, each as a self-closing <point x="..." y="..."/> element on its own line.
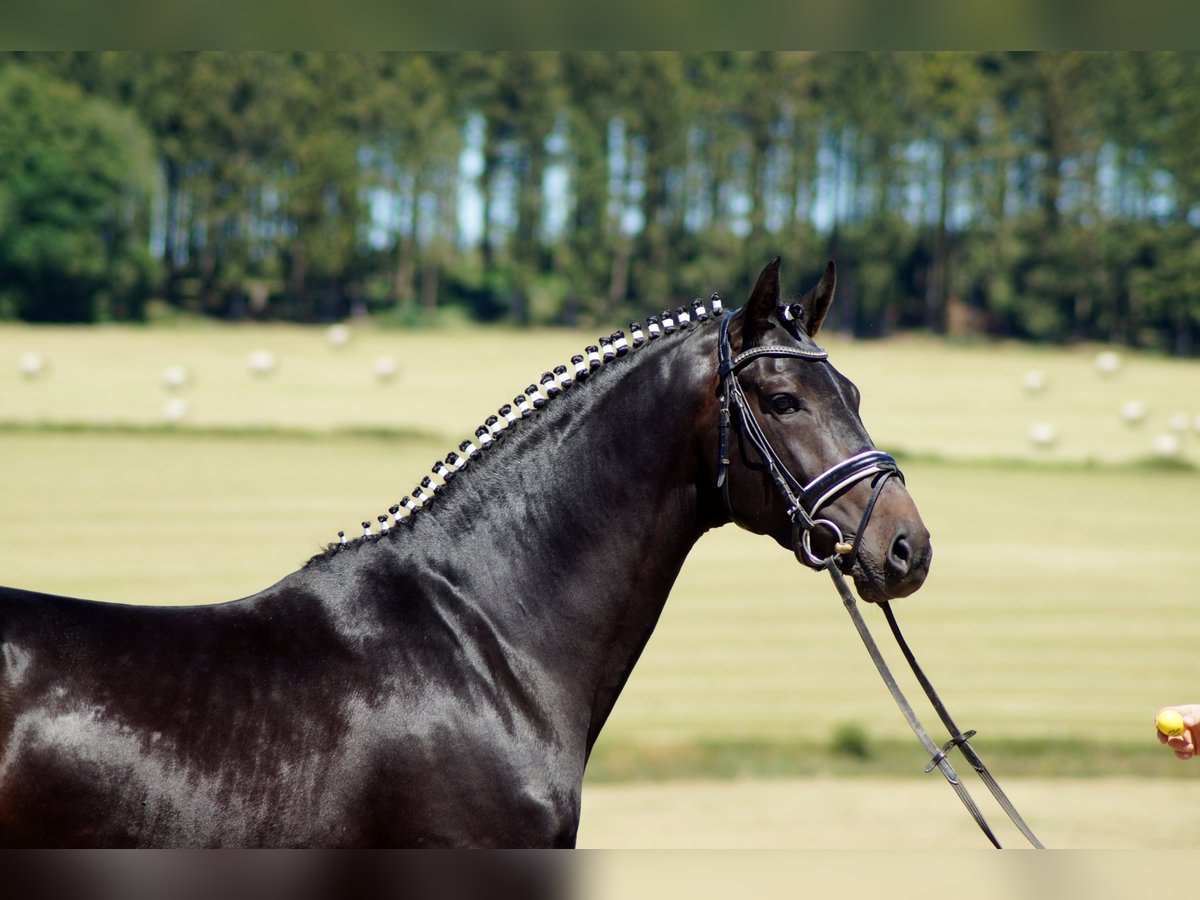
<point x="804" y="504"/>
<point x="938" y="755"/>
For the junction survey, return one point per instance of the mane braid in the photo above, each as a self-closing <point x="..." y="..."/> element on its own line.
<point x="491" y="433"/>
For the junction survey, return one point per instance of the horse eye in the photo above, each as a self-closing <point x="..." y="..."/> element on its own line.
<point x="785" y="403"/>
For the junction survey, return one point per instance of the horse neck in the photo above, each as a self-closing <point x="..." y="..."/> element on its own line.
<point x="569" y="534"/>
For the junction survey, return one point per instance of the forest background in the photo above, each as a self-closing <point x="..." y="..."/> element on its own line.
<point x="1051" y="196"/>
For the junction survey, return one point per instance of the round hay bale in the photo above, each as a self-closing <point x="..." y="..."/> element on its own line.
<point x="1133" y="412"/>
<point x="175" y="410"/>
<point x="1034" y="382"/>
<point x="385" y="368"/>
<point x="262" y="362"/>
<point x="1108" y="363"/>
<point x="1166" y="445"/>
<point x="31" y="364"/>
<point x="338" y="336"/>
<point x="175" y="377"/>
<point x="1043" y="435"/>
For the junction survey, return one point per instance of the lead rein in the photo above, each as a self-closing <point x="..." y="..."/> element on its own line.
<point x="961" y="739"/>
<point x="937" y="755"/>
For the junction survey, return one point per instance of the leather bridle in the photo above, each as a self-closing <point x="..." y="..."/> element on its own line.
<point x="804" y="505"/>
<point x="804" y="500"/>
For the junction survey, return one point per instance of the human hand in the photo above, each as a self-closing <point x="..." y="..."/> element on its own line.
<point x="1185" y="745"/>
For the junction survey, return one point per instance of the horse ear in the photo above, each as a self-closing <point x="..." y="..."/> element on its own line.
<point x="816" y="302"/>
<point x="762" y="304"/>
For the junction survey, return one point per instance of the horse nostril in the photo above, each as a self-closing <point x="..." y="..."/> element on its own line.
<point x="900" y="554"/>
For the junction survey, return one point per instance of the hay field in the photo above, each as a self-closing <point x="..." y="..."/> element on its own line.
<point x="1062" y="605"/>
<point x="889" y="814"/>
<point x="921" y="396"/>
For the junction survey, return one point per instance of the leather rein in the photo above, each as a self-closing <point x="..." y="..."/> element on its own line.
<point x="805" y="502"/>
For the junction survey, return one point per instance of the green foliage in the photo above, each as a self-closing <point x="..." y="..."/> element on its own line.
<point x="1050" y="196"/>
<point x="850" y="740"/>
<point x="74" y="177"/>
<point x="626" y="761"/>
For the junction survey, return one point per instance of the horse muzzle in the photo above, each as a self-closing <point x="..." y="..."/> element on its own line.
<point x="893" y="553"/>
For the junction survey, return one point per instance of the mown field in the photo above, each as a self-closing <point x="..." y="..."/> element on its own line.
<point x="1060" y="613"/>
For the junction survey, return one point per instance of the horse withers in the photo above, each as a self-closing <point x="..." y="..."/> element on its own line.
<point x="441" y="680"/>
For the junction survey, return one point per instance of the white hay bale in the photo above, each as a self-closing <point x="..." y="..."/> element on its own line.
<point x="338" y="335"/>
<point x="175" y="409"/>
<point x="175" y="377"/>
<point x="1043" y="435"/>
<point x="385" y="368"/>
<point x="1108" y="363"/>
<point x="1034" y="382"/>
<point x="31" y="364"/>
<point x="262" y="362"/>
<point x="1133" y="412"/>
<point x="1166" y="445"/>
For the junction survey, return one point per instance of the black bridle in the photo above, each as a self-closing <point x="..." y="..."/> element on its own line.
<point x="805" y="502"/>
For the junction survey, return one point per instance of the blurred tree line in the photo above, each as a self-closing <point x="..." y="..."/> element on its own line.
<point x="1045" y="195"/>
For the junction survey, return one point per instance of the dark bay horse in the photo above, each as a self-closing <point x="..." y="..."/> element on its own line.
<point x="440" y="681"/>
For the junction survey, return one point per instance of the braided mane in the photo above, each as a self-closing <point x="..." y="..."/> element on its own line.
<point x="525" y="406"/>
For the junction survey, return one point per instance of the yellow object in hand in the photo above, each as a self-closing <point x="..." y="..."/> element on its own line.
<point x="1170" y="723"/>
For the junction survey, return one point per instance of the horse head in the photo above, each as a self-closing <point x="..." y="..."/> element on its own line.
<point x="797" y="463"/>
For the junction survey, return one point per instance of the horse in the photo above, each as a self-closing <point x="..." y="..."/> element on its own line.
<point x="440" y="680"/>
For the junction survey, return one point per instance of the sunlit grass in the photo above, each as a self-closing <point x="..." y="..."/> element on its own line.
<point x="445" y="381"/>
<point x="1061" y="605"/>
<point x="920" y="396"/>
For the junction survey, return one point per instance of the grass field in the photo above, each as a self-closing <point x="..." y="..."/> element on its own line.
<point x="889" y="814"/>
<point x="1060" y="613"/>
<point x="925" y="397"/>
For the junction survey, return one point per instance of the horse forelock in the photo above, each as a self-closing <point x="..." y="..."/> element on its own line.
<point x="528" y="421"/>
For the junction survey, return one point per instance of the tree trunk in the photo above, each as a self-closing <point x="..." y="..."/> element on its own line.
<point x="404" y="271"/>
<point x="174" y="189"/>
<point x="618" y="283"/>
<point x="491" y="164"/>
<point x="939" y="268"/>
<point x="430" y="272"/>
